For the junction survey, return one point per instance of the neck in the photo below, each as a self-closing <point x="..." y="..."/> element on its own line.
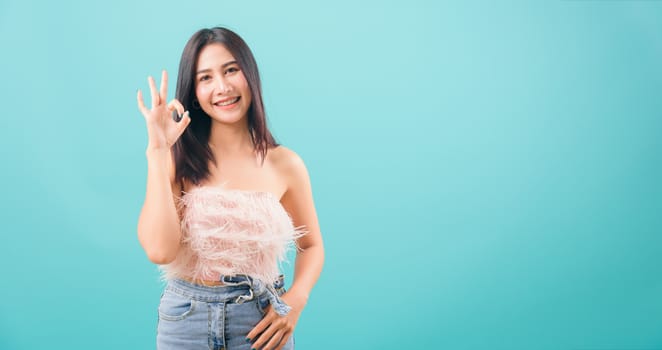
<point x="228" y="140"/>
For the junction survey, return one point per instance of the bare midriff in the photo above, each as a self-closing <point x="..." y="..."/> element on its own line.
<point x="207" y="283"/>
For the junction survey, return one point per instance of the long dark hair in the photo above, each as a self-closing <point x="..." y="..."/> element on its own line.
<point x="192" y="152"/>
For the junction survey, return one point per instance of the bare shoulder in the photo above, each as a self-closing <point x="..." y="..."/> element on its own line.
<point x="297" y="198"/>
<point x="288" y="164"/>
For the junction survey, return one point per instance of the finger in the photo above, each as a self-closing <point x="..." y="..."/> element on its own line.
<point x="175" y="105"/>
<point x="141" y="103"/>
<point x="275" y="340"/>
<point x="259" y="328"/>
<point x="164" y="86"/>
<point x="265" y="337"/>
<point x="183" y="123"/>
<point x="156" y="100"/>
<point x="283" y="340"/>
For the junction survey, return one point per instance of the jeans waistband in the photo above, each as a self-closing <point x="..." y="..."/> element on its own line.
<point x="257" y="289"/>
<point x="235" y="289"/>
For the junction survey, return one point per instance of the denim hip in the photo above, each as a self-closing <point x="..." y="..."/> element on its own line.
<point x="193" y="316"/>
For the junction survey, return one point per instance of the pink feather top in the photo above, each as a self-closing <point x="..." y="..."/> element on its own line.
<point x="229" y="232"/>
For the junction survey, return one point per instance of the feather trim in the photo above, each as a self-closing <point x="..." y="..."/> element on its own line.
<point x="229" y="232"/>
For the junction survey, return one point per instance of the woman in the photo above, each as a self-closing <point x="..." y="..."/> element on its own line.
<point x="223" y="203"/>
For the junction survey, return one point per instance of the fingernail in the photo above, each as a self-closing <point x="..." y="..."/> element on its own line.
<point x="248" y="340"/>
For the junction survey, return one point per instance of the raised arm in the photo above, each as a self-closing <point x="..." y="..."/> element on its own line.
<point x="158" y="225"/>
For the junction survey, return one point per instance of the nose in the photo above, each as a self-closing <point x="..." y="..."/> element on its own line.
<point x="222" y="86"/>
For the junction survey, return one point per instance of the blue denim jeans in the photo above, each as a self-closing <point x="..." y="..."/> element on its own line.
<point x="193" y="316"/>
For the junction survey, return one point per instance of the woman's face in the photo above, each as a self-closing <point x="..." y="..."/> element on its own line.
<point x="220" y="85"/>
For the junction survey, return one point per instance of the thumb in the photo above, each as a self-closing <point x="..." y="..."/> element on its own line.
<point x="183" y="123"/>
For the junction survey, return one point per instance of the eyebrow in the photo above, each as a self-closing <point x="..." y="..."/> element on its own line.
<point x="222" y="66"/>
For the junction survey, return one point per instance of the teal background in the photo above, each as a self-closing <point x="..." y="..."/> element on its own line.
<point x="487" y="175"/>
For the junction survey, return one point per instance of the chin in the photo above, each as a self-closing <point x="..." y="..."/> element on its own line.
<point x="228" y="119"/>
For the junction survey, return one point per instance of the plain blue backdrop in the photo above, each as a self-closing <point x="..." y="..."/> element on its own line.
<point x="487" y="175"/>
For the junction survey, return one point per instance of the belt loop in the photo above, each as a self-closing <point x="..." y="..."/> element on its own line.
<point x="257" y="288"/>
<point x="244" y="280"/>
<point x="240" y="299"/>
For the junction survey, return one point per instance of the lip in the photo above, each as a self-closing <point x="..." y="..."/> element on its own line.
<point x="225" y="99"/>
<point x="230" y="106"/>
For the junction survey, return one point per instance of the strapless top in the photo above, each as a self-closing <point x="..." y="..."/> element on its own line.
<point x="231" y="232"/>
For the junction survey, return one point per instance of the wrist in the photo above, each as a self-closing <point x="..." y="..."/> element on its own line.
<point x="296" y="297"/>
<point x="156" y="151"/>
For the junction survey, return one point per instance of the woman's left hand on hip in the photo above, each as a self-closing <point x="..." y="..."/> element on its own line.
<point x="275" y="330"/>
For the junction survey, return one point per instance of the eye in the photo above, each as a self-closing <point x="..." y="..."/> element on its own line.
<point x="204" y="77"/>
<point x="231" y="70"/>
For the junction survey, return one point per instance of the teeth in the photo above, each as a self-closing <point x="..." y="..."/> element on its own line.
<point x="229" y="102"/>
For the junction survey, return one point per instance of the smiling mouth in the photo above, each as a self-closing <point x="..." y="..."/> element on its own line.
<point x="227" y="102"/>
